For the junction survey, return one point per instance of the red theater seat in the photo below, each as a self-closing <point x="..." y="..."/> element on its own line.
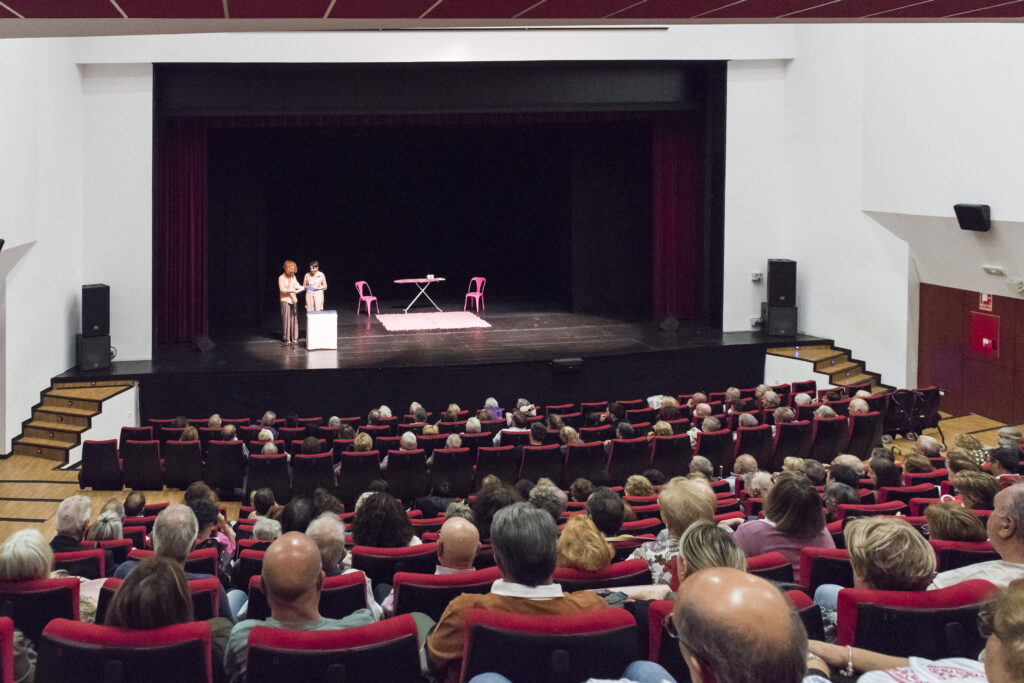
<point x="431" y="593"/>
<point x="628" y="573"/>
<point x="567" y="647"/>
<point x="340" y="596"/>
<point x="381" y="564"/>
<point x="956" y="554"/>
<point x="33" y="604"/>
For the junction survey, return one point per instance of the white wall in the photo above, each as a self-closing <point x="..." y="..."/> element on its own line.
<point x="41" y="160"/>
<point x="118" y="106"/>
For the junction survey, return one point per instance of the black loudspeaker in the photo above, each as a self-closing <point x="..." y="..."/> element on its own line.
<point x="778" y="321"/>
<point x="781" y="282"/>
<point x="92" y="353"/>
<point x="973" y="217"/>
<point x="669" y="324"/>
<point x="96" y="311"/>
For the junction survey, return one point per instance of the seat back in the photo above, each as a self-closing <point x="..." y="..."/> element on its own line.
<point x="431" y="593"/>
<point x="935" y="477"/>
<point x="828" y="437"/>
<point x="809" y="613"/>
<point x="602" y="433"/>
<point x="662" y="648"/>
<point x="671" y="455"/>
<point x="905" y="493"/>
<point x="134" y="434"/>
<point x="772" y="566"/>
<point x="384" y="651"/>
<point x="381" y="564"/>
<point x="363" y="288"/>
<point x="33" y="604"/>
<point x="310" y="472"/>
<point x="956" y="554"/>
<point x="717" y="447"/>
<point x="429" y="442"/>
<point x="628" y="573"/>
<point x="582" y="460"/>
<point x="454" y="466"/>
<point x="755" y="441"/>
<point x="250" y="564"/>
<point x="865" y="434"/>
<point x="225" y="465"/>
<point x="628" y="457"/>
<point x="183" y="463"/>
<point x="88" y="564"/>
<point x="819" y="566"/>
<point x="846" y="511"/>
<point x="930" y="624"/>
<point x="502" y="462"/>
<point x="340" y="596"/>
<point x="118" y="547"/>
<point x="73" y="650"/>
<point x="540" y="648"/>
<point x="792" y="439"/>
<point x="100" y="467"/>
<point x="269" y="471"/>
<point x="541" y="461"/>
<point x="407" y="475"/>
<point x="356" y="472"/>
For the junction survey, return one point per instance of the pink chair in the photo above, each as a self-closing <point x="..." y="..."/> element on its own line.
<point x="476" y="293"/>
<point x="368" y="297"/>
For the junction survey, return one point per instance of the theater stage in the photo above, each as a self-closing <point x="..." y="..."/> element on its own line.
<point x="547" y="356"/>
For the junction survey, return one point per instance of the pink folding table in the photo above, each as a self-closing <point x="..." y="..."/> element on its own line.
<point x="422" y="283"/>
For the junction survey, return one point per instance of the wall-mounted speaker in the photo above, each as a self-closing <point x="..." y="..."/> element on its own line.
<point x="781" y="282"/>
<point x="92" y="353"/>
<point x="95" y="311"/>
<point x="975" y="217"/>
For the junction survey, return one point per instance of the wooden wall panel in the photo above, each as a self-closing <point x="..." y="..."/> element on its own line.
<point x="988" y="390"/>
<point x="941" y="339"/>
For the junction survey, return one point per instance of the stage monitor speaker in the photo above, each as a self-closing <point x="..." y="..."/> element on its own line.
<point x="204" y="343"/>
<point x="781" y="282"/>
<point x="669" y="324"/>
<point x="973" y="217"/>
<point x="778" y="321"/>
<point x="92" y="353"/>
<point x="95" y="311"/>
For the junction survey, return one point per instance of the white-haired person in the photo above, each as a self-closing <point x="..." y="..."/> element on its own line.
<point x="107" y="527"/>
<point x="25" y="556"/>
<point x="682" y="503"/>
<point x="407" y="442"/>
<point x="72" y="524"/>
<point x="328" y="532"/>
<point x="266" y="529"/>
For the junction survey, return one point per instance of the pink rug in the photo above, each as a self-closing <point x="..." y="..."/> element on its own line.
<point x="455" y="320"/>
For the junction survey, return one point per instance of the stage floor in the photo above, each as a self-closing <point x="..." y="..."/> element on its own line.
<point x="515" y="335"/>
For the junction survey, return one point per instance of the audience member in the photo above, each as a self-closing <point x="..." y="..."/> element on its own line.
<point x="883" y="472"/>
<point x="656" y="477"/>
<point x="115" y="506"/>
<point x="549" y="498"/>
<point x="977" y="490"/>
<point x="682" y="503"/>
<point x="325" y="501"/>
<point x="952" y="522"/>
<point x="705" y="545"/>
<point x="760" y="483"/>
<point x="292" y="578"/>
<point x="917" y="464"/>
<point x="793" y="520"/>
<point x="266" y="529"/>
<point x="580" y="490"/>
<point x="261" y="500"/>
<point x="701" y="465"/>
<point x="858" y="406"/>
<point x="380" y="522"/>
<point x="793" y="465"/>
<point x="1004" y="461"/>
<point x="460" y="510"/>
<point x="582" y="546"/>
<point x="134" y="504"/>
<point x="843" y="474"/>
<point x="1005" y="529"/>
<point x="107" y="527"/>
<point x="815" y="472"/>
<point x="328" y="532"/>
<point x="517" y="422"/>
<point x="836" y="494"/>
<point x="851" y="461"/>
<point x="824" y="412"/>
<point x="72" y="523"/>
<point x="639" y="486"/>
<point x="605" y="508"/>
<point x="928" y="446"/>
<point x="802" y="400"/>
<point x="523" y="488"/>
<point x="524" y="541"/>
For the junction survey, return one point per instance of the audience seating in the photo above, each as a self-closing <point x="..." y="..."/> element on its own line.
<point x="934" y="477"/>
<point x="718" y="447"/>
<point x="143" y="469"/>
<point x="532" y="649"/>
<point x="828" y="436"/>
<point x="101" y="468"/>
<point x="807" y="387"/>
<point x="134" y="434"/>
<point x="601" y="433"/>
<point x="628" y="573"/>
<point x="865" y="434"/>
<point x="809" y="613"/>
<point x="541" y="461"/>
<point x="931" y="624"/>
<point x="501" y="461"/>
<point x="956" y="554"/>
<point x="205" y="598"/>
<point x="250" y="564"/>
<point x="755" y="441"/>
<point x="33" y="604"/>
<point x="118" y="547"/>
<point x="269" y="471"/>
<point x="357" y="471"/>
<point x="792" y="439"/>
<point x="137" y="534"/>
<point x="384" y="651"/>
<point x="225" y="465"/>
<point x="582" y="460"/>
<point x="825" y="565"/>
<point x="89" y="564"/>
<point x="671" y="455"/>
<point x="406" y="474"/>
<point x="454" y="466"/>
<point x="6" y="650"/>
<point x="183" y="463"/>
<point x="904" y="494"/>
<point x="168" y="434"/>
<point x="431" y="593"/>
<point x="846" y="511"/>
<point x="380" y="564"/>
<point x="661" y="647"/>
<point x="772" y="566"/>
<point x="73" y="650"/>
<point x="310" y="472"/>
<point x="340" y="596"/>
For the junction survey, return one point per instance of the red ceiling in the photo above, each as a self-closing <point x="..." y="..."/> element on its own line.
<point x="505" y="10"/>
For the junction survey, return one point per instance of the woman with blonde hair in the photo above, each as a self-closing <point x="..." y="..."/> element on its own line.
<point x="660" y="428"/>
<point x="958" y="460"/>
<point x="288" y="286"/>
<point x="582" y="546"/>
<point x="977" y="489"/>
<point x="952" y="522"/>
<point x="706" y="545"/>
<point x="107" y="527"/>
<point x="638" y="485"/>
<point x="917" y="464"/>
<point x="189" y="433"/>
<point x="682" y="503"/>
<point x="568" y="435"/>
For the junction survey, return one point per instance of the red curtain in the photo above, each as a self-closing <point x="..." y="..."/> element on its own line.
<point x="179" y="249"/>
<point x="677" y="239"/>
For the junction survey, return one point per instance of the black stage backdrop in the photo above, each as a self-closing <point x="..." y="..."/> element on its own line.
<point x="584" y="186"/>
<point x="539" y="210"/>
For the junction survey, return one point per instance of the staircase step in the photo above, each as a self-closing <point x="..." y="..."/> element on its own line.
<point x="47" y="452"/>
<point x="812" y="353"/>
<point x="842" y="364"/>
<point x="97" y="393"/>
<point x="79" y="406"/>
<point x="61" y="427"/>
<point x="859" y="378"/>
<point x="61" y="416"/>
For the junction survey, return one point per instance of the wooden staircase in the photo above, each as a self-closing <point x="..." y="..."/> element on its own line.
<point x="64" y="412"/>
<point x="838" y="363"/>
